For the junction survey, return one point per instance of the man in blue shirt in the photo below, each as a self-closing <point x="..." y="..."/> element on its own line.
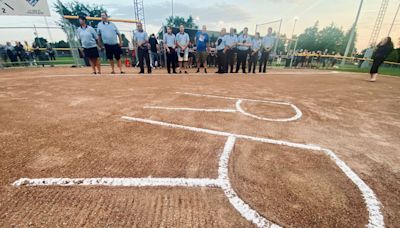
<point x="182" y="43"/>
<point x="169" y="46"/>
<point x="202" y="48"/>
<point x="268" y="43"/>
<point x="244" y="44"/>
<point x="221" y="50"/>
<point x="141" y="41"/>
<point x="90" y="42"/>
<point x="109" y="36"/>
<point x="231" y="41"/>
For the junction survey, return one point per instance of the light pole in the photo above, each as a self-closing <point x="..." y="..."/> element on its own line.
<point x="353" y="31"/>
<point x="394" y="19"/>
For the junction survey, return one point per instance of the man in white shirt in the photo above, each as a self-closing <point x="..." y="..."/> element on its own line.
<point x="182" y="43"/>
<point x="268" y="43"/>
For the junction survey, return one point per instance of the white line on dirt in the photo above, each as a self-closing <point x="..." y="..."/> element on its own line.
<point x="244" y="209"/>
<point x="371" y="201"/>
<point x="296" y="117"/>
<point x="238" y="107"/>
<point x="223" y="181"/>
<point x="128" y="182"/>
<point x="190" y="109"/>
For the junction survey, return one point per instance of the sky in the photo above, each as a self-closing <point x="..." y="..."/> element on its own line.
<point x="227" y="13"/>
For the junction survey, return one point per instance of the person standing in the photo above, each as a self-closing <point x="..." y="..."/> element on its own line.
<point x="169" y="46"/>
<point x="154" y="48"/>
<point x="51" y="52"/>
<point x="182" y="43"/>
<point x="244" y="43"/>
<point x="112" y="40"/>
<point x="11" y="54"/>
<point x="20" y="51"/>
<point x="202" y="48"/>
<point x="90" y="42"/>
<point x="268" y="43"/>
<point x="221" y="50"/>
<point x="255" y="48"/>
<point x="141" y="39"/>
<point x="231" y="41"/>
<point x="381" y="53"/>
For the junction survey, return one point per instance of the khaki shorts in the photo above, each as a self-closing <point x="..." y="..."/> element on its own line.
<point x="201" y="56"/>
<point x="185" y="56"/>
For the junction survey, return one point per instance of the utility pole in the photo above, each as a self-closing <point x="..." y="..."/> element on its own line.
<point x="394" y="19"/>
<point x="353" y="31"/>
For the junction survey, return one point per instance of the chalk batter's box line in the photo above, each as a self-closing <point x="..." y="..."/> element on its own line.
<point x="372" y="203"/>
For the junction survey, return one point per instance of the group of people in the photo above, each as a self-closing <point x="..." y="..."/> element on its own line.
<point x="176" y="46"/>
<point x="24" y="54"/>
<point x="246" y="48"/>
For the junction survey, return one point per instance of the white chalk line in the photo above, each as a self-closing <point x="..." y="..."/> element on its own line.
<point x="191" y="109"/>
<point x="128" y="182"/>
<point x="222" y="182"/>
<point x="243" y="208"/>
<point x="373" y="205"/>
<point x="237" y="109"/>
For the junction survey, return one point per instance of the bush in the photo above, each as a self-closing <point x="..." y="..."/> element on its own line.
<point x="394" y="56"/>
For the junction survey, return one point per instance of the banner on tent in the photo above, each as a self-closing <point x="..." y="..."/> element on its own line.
<point x="24" y="8"/>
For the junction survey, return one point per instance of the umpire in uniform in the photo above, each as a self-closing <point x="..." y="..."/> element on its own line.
<point x="221" y="50"/>
<point x="141" y="41"/>
<point x="89" y="41"/>
<point x="244" y="44"/>
<point x="267" y="44"/>
<point x="255" y="48"/>
<point x="108" y="34"/>
<point x="231" y="40"/>
<point x="169" y="47"/>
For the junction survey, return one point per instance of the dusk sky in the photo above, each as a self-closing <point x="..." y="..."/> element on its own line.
<point x="230" y="13"/>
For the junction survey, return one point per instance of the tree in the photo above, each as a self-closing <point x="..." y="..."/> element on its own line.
<point x="331" y="38"/>
<point x="177" y="21"/>
<point x="393" y="56"/>
<point x="41" y="42"/>
<point x="309" y="38"/>
<point x="76" y="8"/>
<point x="60" y="44"/>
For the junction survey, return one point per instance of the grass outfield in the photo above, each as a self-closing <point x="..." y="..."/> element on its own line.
<point x="393" y="71"/>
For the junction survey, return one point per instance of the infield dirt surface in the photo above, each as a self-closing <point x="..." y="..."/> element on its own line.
<point x="63" y="122"/>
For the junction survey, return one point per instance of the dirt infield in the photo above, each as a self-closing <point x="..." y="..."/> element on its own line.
<point x="65" y="123"/>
